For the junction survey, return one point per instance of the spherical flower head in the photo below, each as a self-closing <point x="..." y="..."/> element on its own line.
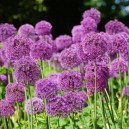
<point x="43" y="28"/>
<point x="114" y="27"/>
<point x="64" y="105"/>
<point x="41" y="51"/>
<point x="63" y="41"/>
<point x="77" y="33"/>
<point x="102" y="75"/>
<point x="37" y="106"/>
<point x="3" y="78"/>
<point x="17" y="47"/>
<point x="27" y="31"/>
<point x="83" y="57"/>
<point x="15" y="92"/>
<point x="104" y="58"/>
<point x="46" y="89"/>
<point x="27" y="71"/>
<point x="125" y="91"/>
<point x="83" y="95"/>
<point x="49" y="40"/>
<point x="93" y="13"/>
<point x="55" y="61"/>
<point x="88" y="25"/>
<point x="119" y="43"/>
<point x="116" y="65"/>
<point x="69" y="58"/>
<point x="94" y="45"/>
<point x="6" y="108"/>
<point x="70" y="81"/>
<point x="56" y="107"/>
<point x="73" y="101"/>
<point x="6" y="31"/>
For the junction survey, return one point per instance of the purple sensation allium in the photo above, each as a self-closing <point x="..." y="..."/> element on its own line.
<point x="54" y="78"/>
<point x="49" y="40"/>
<point x="15" y="92"/>
<point x="76" y="33"/>
<point x="46" y="89"/>
<point x="55" y="61"/>
<point x="116" y="65"/>
<point x="119" y="42"/>
<point x="114" y="27"/>
<point x="83" y="57"/>
<point x="27" y="31"/>
<point x="94" y="45"/>
<point x="17" y="47"/>
<point x="125" y="91"/>
<point x="88" y="25"/>
<point x="104" y="58"/>
<point x="6" y="31"/>
<point x="73" y="101"/>
<point x="43" y="28"/>
<point x="56" y="107"/>
<point x="102" y="75"/>
<point x="69" y="57"/>
<point x="83" y="95"/>
<point x="6" y="108"/>
<point x="26" y="71"/>
<point x="93" y="13"/>
<point x="70" y="81"/>
<point x="37" y="106"/>
<point x="64" y="105"/>
<point x="3" y="78"/>
<point x="41" y="51"/>
<point x="63" y="41"/>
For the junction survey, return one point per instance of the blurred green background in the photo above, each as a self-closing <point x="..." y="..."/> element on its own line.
<point x="63" y="14"/>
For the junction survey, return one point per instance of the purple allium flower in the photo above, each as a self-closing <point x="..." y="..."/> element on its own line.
<point x="114" y="27"/>
<point x="43" y="28"/>
<point x="119" y="43"/>
<point x="125" y="91"/>
<point x="94" y="45"/>
<point x="49" y="40"/>
<point x="54" y="77"/>
<point x="28" y="31"/>
<point x="104" y="58"/>
<point x="93" y="13"/>
<point x="88" y="25"/>
<point x="55" y="61"/>
<point x="6" y="31"/>
<point x="26" y="71"/>
<point x="73" y="101"/>
<point x="76" y="33"/>
<point x="64" y="105"/>
<point x="115" y="65"/>
<point x="102" y="75"/>
<point x="37" y="106"/>
<point x="69" y="57"/>
<point x="6" y="108"/>
<point x="63" y="41"/>
<point x="46" y="89"/>
<point x="15" y="92"/>
<point x="70" y="81"/>
<point x="41" y="51"/>
<point x="83" y="57"/>
<point x="83" y="95"/>
<point x="3" y="78"/>
<point x="17" y="47"/>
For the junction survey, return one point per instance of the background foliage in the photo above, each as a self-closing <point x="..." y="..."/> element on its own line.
<point x="63" y="14"/>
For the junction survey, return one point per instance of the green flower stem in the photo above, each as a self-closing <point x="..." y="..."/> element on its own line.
<point x="31" y="114"/>
<point x="120" y="101"/>
<point x="5" y="123"/>
<point x="102" y="109"/>
<point x="95" y="97"/>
